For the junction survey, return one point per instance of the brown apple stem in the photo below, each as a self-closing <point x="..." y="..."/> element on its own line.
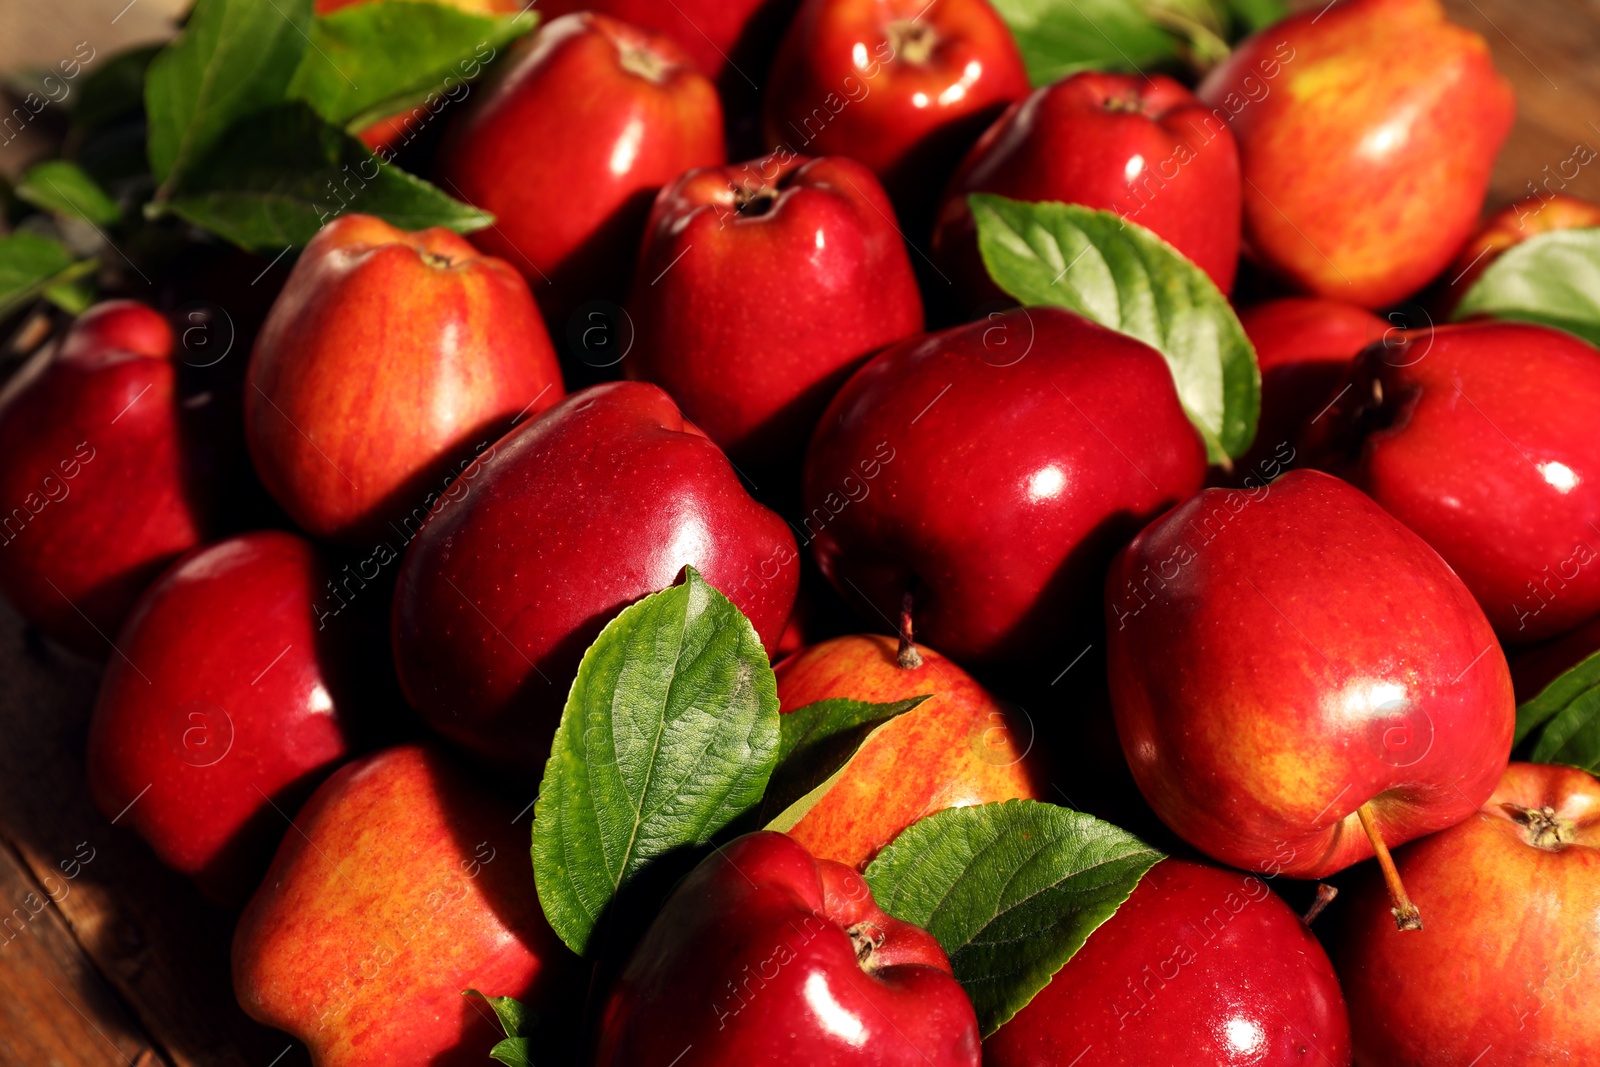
<point x="1325" y="895"/>
<point x="1406" y="915"/>
<point x="908" y="657"/>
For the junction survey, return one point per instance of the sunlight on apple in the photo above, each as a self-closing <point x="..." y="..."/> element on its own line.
<point x="1560" y="476"/>
<point x="831" y="1013"/>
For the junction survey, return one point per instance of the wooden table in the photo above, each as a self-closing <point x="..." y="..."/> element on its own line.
<point x="123" y="963"/>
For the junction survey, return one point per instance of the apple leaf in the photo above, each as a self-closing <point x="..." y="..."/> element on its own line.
<point x="274" y="181"/>
<point x="1552" y="279"/>
<point x="1248" y="16"/>
<point x="517" y="1022"/>
<point x="232" y="59"/>
<point x="1011" y="890"/>
<point x="367" y="57"/>
<point x="1115" y="272"/>
<point x="32" y="265"/>
<point x="1563" y="721"/>
<point x="818" y="741"/>
<point x="669" y="734"/>
<point x="1062" y="37"/>
<point x="62" y="188"/>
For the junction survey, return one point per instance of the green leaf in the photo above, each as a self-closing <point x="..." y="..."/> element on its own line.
<point x="30" y="264"/>
<point x="1011" y="891"/>
<point x="277" y="179"/>
<point x="817" y="741"/>
<point x="1248" y="16"/>
<point x="1062" y="37"/>
<point x="114" y="89"/>
<point x="233" y="58"/>
<point x="517" y="1022"/>
<point x="1552" y="279"/>
<point x="670" y="733"/>
<point x="62" y="188"/>
<point x="1563" y="721"/>
<point x="1119" y="274"/>
<point x="366" y="57"/>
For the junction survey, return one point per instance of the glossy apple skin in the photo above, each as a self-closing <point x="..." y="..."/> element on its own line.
<point x="726" y="39"/>
<point x="1145" y="148"/>
<point x="568" y="147"/>
<point x="903" y="86"/>
<point x="389" y="361"/>
<point x="1304" y="347"/>
<point x="1481" y="438"/>
<point x="1505" y="969"/>
<point x="993" y="469"/>
<point x="407" y="883"/>
<point x="1200" y="967"/>
<point x="225" y="707"/>
<point x="1366" y="134"/>
<point x="760" y="288"/>
<point x="570" y="518"/>
<point x="754" y="959"/>
<point x="1510" y="226"/>
<point x="1279" y="656"/>
<point x="111" y="471"/>
<point x="959" y="747"/>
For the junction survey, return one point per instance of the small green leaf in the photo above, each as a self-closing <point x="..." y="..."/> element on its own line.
<point x="1011" y="891"/>
<point x="669" y="734"/>
<point x="512" y="1015"/>
<point x="368" y="56"/>
<point x="73" y="290"/>
<point x="1563" y="721"/>
<point x="1248" y="16"/>
<point x="233" y="58"/>
<point x="114" y="89"/>
<point x="30" y="264"/>
<point x="62" y="188"/>
<point x="1062" y="37"/>
<point x="277" y="179"/>
<point x="1119" y="274"/>
<point x="817" y="741"/>
<point x="1552" y="279"/>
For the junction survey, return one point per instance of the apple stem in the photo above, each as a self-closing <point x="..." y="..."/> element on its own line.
<point x="908" y="657"/>
<point x="1406" y="915"/>
<point x="1325" y="895"/>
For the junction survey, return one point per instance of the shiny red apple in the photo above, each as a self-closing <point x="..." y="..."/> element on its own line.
<point x="1367" y="130"/>
<point x="227" y="702"/>
<point x="991" y="471"/>
<point x="1144" y="148"/>
<point x="1481" y="438"/>
<point x="1288" y="662"/>
<point x="1200" y="967"/>
<point x="389" y="361"/>
<point x="569" y="519"/>
<point x="760" y="288"/>
<point x="1505" y="974"/>
<point x="113" y="468"/>
<point x="728" y="40"/>
<point x="569" y="145"/>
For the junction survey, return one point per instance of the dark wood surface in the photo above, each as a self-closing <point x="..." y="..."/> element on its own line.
<point x="123" y="963"/>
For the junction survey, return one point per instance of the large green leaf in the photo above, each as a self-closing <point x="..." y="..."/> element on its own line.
<point x="670" y="733"/>
<point x="1062" y="37"/>
<point x="367" y="57"/>
<point x="31" y="265"/>
<point x="1562" y="723"/>
<point x="233" y="58"/>
<point x="1011" y="891"/>
<point x="1553" y="279"/>
<point x="274" y="181"/>
<point x="1116" y="272"/>
<point x="815" y="743"/>
<point x="62" y="188"/>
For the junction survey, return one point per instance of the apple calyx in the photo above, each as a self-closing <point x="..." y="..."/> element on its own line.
<point x="1406" y="915"/>
<point x="867" y="937"/>
<point x="907" y="655"/>
<point x="912" y="41"/>
<point x="1541" y="828"/>
<point x="644" y="61"/>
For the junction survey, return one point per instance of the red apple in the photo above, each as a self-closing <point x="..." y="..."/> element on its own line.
<point x="406" y="883"/>
<point x="1481" y="438"/>
<point x="728" y="40"/>
<point x="904" y="86"/>
<point x="760" y="288"/>
<point x="226" y="704"/>
<point x="1504" y="975"/>
<point x="1367" y="130"/>
<point x="112" y="470"/>
<point x="573" y="516"/>
<point x="389" y="361"/>
<point x="991" y="471"/>
<point x="766" y="955"/>
<point x="1289" y="662"/>
<point x="1144" y="148"/>
<point x="568" y="147"/>
<point x="1304" y="346"/>
<point x="959" y="747"/>
<point x="1515" y="223"/>
<point x="1200" y="967"/>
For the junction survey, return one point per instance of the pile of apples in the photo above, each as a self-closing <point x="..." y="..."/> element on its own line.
<point x="330" y="702"/>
